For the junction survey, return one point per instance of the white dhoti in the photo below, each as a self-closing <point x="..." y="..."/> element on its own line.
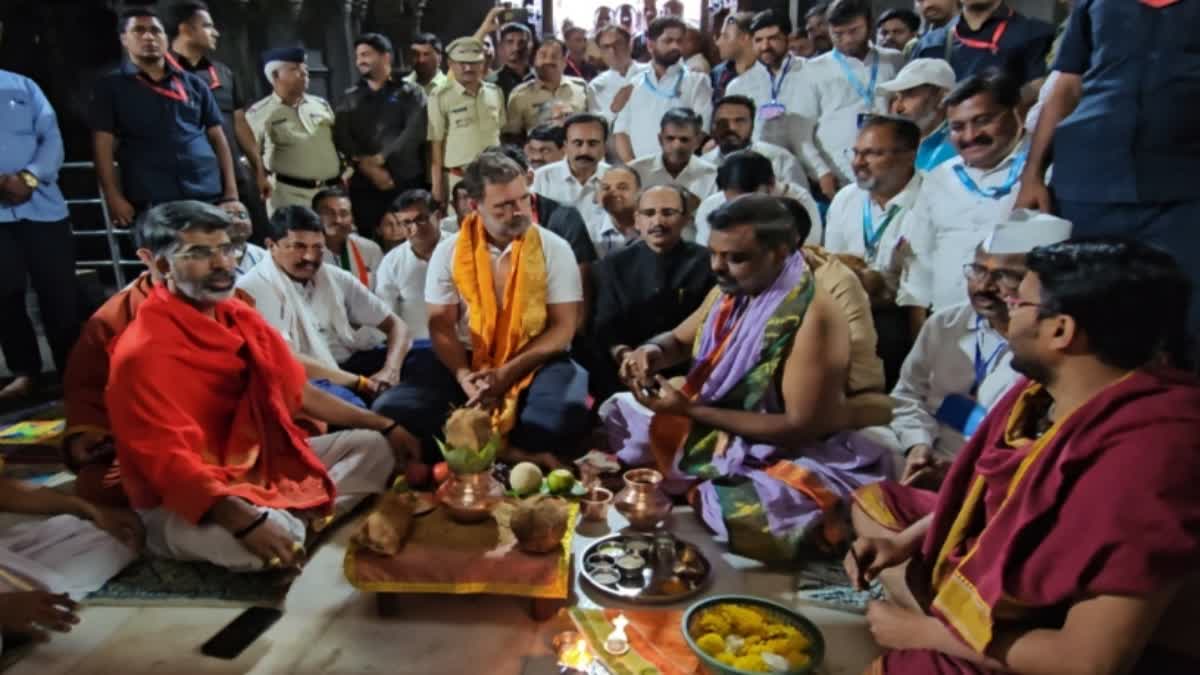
<point x="359" y="463"/>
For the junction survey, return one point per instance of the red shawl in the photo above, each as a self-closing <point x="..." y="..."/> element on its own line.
<point x="202" y="409"/>
<point x="1104" y="502"/>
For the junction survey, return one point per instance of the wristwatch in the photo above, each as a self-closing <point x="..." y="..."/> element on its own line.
<point x="30" y="180"/>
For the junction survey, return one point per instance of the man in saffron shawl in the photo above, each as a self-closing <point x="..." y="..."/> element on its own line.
<point x="201" y="398"/>
<point x="760" y="416"/>
<point x="503" y="297"/>
<point x="1066" y="537"/>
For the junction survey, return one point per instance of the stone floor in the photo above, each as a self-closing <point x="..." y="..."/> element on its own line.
<point x="330" y="627"/>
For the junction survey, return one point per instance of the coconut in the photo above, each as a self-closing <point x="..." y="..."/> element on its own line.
<point x="540" y="523"/>
<point x="469" y="428"/>
<point x="525" y="478"/>
<point x="385" y="530"/>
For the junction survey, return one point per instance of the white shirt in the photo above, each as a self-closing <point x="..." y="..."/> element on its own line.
<point x="714" y="201"/>
<point x="254" y="253"/>
<point x="448" y="225"/>
<point x="641" y="118"/>
<point x="555" y="181"/>
<point x="946" y="224"/>
<point x="844" y="227"/>
<point x="835" y="103"/>
<point x="793" y="130"/>
<point x="942" y="362"/>
<point x="563" y="283"/>
<point x="699" y="177"/>
<point x="783" y="163"/>
<point x="363" y="308"/>
<point x="606" y="85"/>
<point x="609" y="238"/>
<point x="400" y="283"/>
<point x="371" y="255"/>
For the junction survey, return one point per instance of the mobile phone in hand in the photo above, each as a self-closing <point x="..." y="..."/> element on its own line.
<point x="514" y="15"/>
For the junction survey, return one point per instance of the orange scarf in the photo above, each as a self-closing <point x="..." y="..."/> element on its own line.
<point x="498" y="333"/>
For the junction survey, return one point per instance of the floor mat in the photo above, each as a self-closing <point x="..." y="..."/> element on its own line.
<point x="159" y="582"/>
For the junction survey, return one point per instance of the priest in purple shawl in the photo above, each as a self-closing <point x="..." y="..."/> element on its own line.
<point x="759" y="427"/>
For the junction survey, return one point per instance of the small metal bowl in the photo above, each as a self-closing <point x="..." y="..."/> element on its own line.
<point x="595" y="504"/>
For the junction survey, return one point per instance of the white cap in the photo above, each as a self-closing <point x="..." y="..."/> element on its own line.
<point x="920" y="72"/>
<point x="1024" y="231"/>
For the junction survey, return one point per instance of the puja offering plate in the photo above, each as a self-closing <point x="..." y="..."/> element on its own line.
<point x="645" y="568"/>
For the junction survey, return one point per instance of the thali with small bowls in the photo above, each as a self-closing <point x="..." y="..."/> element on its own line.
<point x="653" y="568"/>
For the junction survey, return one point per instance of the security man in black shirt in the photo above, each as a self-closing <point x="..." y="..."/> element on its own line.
<point x="380" y="128"/>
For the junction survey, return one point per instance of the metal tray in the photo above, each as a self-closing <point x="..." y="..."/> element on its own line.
<point x="652" y="582"/>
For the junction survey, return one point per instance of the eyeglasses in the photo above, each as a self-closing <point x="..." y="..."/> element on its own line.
<point x="419" y="220"/>
<point x="1014" y="302"/>
<point x="199" y="253"/>
<point x="1008" y="280"/>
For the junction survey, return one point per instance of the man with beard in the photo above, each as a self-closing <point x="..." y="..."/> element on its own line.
<point x="530" y="102"/>
<point x="425" y="57"/>
<point x="575" y="180"/>
<point x="1069" y="526"/>
<point x="515" y="42"/>
<point x="380" y="128"/>
<point x="936" y="13"/>
<point x="619" y="188"/>
<point x="577" y="64"/>
<point x="677" y="163"/>
<point x="800" y="45"/>
<point x="866" y="218"/>
<point x="777" y="82"/>
<point x="401" y="282"/>
<point x="202" y="393"/>
<point x="733" y="130"/>
<point x="545" y="145"/>
<point x="990" y="34"/>
<point x="917" y="93"/>
<point x="744" y="172"/>
<point x="736" y="46"/>
<point x="959" y="367"/>
<point x="817" y="28"/>
<point x="193" y="38"/>
<point x="648" y="287"/>
<point x="148" y="114"/>
<point x="758" y="425"/>
<point x="329" y="318"/>
<point x="609" y="87"/>
<point x="897" y="27"/>
<point x="503" y="296"/>
<point x="240" y="230"/>
<point x="963" y="198"/>
<point x="841" y="85"/>
<point x="666" y="84"/>
<point x="343" y="247"/>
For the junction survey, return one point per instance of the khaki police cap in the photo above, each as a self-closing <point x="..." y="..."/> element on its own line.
<point x="466" y="50"/>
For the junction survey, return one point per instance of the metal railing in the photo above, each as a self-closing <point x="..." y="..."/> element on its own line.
<point x="112" y="235"/>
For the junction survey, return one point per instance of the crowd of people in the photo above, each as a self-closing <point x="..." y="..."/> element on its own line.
<point x="916" y="285"/>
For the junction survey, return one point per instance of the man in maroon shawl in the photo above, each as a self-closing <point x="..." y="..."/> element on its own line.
<point x="1067" y="533"/>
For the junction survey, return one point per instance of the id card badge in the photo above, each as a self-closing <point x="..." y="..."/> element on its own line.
<point x="961" y="413"/>
<point x="770" y="111"/>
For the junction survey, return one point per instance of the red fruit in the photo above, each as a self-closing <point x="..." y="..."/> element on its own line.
<point x="441" y="471"/>
<point x="417" y="474"/>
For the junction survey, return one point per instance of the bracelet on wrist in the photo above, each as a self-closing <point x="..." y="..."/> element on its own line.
<point x="262" y="518"/>
<point x="388" y="431"/>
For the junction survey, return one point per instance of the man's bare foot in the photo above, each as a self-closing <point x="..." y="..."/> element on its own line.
<point x="20" y="387"/>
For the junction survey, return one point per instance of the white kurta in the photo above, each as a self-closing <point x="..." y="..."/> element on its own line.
<point x="608" y="84"/>
<point x="555" y="181"/>
<point x="783" y="163"/>
<point x="792" y="130"/>
<point x="699" y="177"/>
<point x="845" y="233"/>
<point x="641" y="117"/>
<point x="699" y="233"/>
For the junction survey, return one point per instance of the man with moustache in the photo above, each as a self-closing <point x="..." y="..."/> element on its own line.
<point x="425" y="57"/>
<point x="240" y="229"/>
<point x="515" y="42"/>
<point x="866" y="218"/>
<point x="936" y="13"/>
<point x="529" y="104"/>
<point x="501" y="270"/>
<point x="575" y="181"/>
<point x="648" y="287"/>
<point x="614" y="43"/>
<point x="677" y="163"/>
<point x="841" y="85"/>
<point x="345" y="248"/>
<point x="202" y="394"/>
<point x="329" y="318"/>
<point x="964" y="197"/>
<point x="736" y="46"/>
<point x="666" y="84"/>
<point x="959" y="367"/>
<point x="1071" y="515"/>
<point x="619" y="188"/>
<point x="800" y="45"/>
<point x="917" y="93"/>
<point x="401" y="281"/>
<point x="897" y="27"/>
<point x="380" y="127"/>
<point x="733" y="130"/>
<point x="990" y="34"/>
<point x="148" y="114"/>
<point x="777" y="82"/>
<point x="817" y="27"/>
<point x="545" y="145"/>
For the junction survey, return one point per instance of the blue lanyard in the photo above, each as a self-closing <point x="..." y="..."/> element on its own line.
<point x="1014" y="173"/>
<point x="982" y="366"/>
<point x="867" y="93"/>
<point x="675" y="88"/>
<point x="777" y="84"/>
<point x="871" y="235"/>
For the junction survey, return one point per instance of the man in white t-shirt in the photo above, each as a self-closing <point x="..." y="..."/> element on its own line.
<point x="575" y="180"/>
<point x="400" y="280"/>
<point x="676" y="162"/>
<point x="501" y="330"/>
<point x="744" y="172"/>
<point x="733" y="129"/>
<point x="666" y="84"/>
<point x="331" y="321"/>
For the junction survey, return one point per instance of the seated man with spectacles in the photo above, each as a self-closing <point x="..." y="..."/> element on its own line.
<point x="958" y="369"/>
<point x="400" y="280"/>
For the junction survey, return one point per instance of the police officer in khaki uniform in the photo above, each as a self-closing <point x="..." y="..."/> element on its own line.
<point x="466" y="115"/>
<point x="295" y="131"/>
<point x="531" y="102"/>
